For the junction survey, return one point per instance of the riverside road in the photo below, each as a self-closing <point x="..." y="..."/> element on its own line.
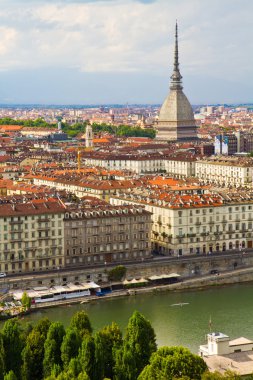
<point x="154" y="261"/>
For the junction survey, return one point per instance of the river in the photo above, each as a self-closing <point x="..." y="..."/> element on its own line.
<point x="230" y="309"/>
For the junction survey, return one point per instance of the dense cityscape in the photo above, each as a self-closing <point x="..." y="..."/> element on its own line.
<point x="121" y="208"/>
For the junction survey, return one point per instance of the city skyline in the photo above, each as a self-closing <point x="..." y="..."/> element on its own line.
<point x="113" y="51"/>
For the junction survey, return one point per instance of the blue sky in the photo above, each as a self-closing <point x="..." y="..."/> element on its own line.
<point x="118" y="51"/>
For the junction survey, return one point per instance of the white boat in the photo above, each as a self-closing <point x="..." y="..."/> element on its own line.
<point x="180" y="304"/>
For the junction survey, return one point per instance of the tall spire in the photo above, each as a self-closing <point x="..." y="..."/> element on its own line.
<point x="176" y="77"/>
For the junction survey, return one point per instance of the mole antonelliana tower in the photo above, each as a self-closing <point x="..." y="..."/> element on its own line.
<point x="176" y="119"/>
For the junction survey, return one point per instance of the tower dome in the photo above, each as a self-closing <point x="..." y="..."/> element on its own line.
<point x="176" y="119"/>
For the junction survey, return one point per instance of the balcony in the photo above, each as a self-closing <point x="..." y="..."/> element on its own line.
<point x="44" y="219"/>
<point x="43" y="228"/>
<point x="12" y="231"/>
<point x="21" y="258"/>
<point x="16" y="222"/>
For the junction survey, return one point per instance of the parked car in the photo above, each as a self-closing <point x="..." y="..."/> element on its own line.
<point x="214" y="271"/>
<point x="2" y="274"/>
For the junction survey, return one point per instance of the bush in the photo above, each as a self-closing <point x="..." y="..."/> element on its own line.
<point x="117" y="273"/>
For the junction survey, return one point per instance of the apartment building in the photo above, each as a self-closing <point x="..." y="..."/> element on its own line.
<point x="137" y="163"/>
<point x="81" y="187"/>
<point x="196" y="223"/>
<point x="228" y="144"/>
<point x="106" y="234"/>
<point x="31" y="237"/>
<point x="180" y="166"/>
<point x="229" y="172"/>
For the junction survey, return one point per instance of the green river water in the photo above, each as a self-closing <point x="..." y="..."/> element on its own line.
<point x="230" y="308"/>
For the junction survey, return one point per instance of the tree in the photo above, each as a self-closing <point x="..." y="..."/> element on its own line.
<point x="10" y="376"/>
<point x="72" y="372"/>
<point x="43" y="326"/>
<point x="13" y="346"/>
<point x="117" y="273"/>
<point x="128" y="131"/>
<point x="87" y="357"/>
<point x="169" y="363"/>
<point x="26" y="301"/>
<point x="52" y="347"/>
<point x="106" y="341"/>
<point x="70" y="346"/>
<point x="32" y="356"/>
<point x="125" y="364"/>
<point x="80" y="321"/>
<point x="2" y="358"/>
<point x="138" y="345"/>
<point x="33" y="352"/>
<point x="141" y="338"/>
<point x="228" y="375"/>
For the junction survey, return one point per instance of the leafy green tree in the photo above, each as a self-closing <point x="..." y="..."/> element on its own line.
<point x="10" y="121"/>
<point x="52" y="347"/>
<point x="138" y="345"/>
<point x="87" y="357"/>
<point x="169" y="363"/>
<point x="70" y="346"/>
<point x="32" y="355"/>
<point x="2" y="358"/>
<point x="13" y="346"/>
<point x="107" y="341"/>
<point x="140" y="336"/>
<point x="103" y="127"/>
<point x="10" y="376"/>
<point x="33" y="352"/>
<point x="125" y="364"/>
<point x="81" y="323"/>
<point x="83" y="376"/>
<point x="228" y="375"/>
<point x="72" y="372"/>
<point x="43" y="326"/>
<point x="117" y="273"/>
<point x="128" y="131"/>
<point x="26" y="301"/>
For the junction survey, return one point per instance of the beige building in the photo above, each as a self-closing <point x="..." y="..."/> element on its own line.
<point x="229" y="172"/>
<point x="180" y="166"/>
<point x="106" y="234"/>
<point x="222" y="354"/>
<point x="81" y="187"/>
<point x="31" y="237"/>
<point x="196" y="223"/>
<point x="154" y="163"/>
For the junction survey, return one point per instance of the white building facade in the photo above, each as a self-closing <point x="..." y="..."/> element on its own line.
<point x="216" y="225"/>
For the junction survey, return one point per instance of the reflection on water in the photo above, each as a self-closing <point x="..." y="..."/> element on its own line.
<point x="230" y="308"/>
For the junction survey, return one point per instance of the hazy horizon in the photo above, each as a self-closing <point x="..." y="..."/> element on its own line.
<point x="121" y="51"/>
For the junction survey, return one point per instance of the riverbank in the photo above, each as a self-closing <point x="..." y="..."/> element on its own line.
<point x="197" y="282"/>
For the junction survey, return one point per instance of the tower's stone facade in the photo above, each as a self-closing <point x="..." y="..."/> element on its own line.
<point x="176" y="119"/>
<point x="89" y="136"/>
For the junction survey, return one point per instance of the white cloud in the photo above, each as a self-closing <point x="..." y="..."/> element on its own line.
<point x="8" y="40"/>
<point x="128" y="36"/>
